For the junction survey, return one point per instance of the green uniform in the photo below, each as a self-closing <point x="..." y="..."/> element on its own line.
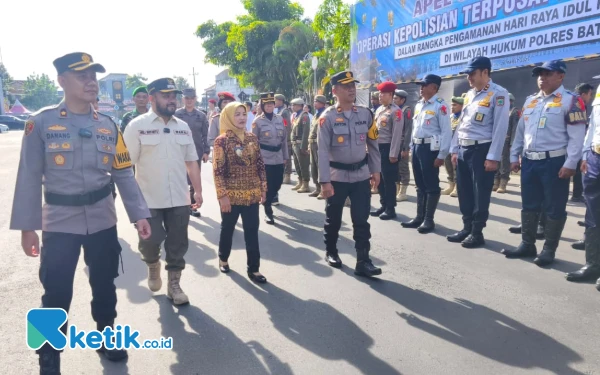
<point x="299" y="137"/>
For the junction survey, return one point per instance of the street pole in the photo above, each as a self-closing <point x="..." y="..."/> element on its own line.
<point x="1" y="98"/>
<point x="315" y="65"/>
<point x="194" y="74"/>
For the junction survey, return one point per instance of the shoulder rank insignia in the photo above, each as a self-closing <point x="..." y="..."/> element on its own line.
<point x="63" y="113"/>
<point x="440" y="100"/>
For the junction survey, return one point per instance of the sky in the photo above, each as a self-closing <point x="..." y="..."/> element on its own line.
<point x="126" y="36"/>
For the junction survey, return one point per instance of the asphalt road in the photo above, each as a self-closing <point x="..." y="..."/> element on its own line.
<point x="437" y="308"/>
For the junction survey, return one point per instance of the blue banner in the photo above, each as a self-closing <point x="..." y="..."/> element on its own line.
<point x="402" y="40"/>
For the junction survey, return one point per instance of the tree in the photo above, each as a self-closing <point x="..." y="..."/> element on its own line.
<point x="182" y="83"/>
<point x="40" y="91"/>
<point x="333" y="21"/>
<point x="134" y="81"/>
<point x="6" y="78"/>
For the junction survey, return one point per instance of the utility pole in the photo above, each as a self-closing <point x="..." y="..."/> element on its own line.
<point x="194" y="74"/>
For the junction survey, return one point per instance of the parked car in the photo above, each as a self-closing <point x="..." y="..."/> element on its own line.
<point x="22" y="117"/>
<point x="3" y="128"/>
<point x="12" y="122"/>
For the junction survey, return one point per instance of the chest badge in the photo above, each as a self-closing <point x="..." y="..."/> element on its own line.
<point x="340" y="139"/>
<point x="53" y="146"/>
<point x="479" y="116"/>
<point x="104" y="131"/>
<point x="105" y="160"/>
<point x="66" y="146"/>
<point x="106" y="148"/>
<point x="59" y="159"/>
<point x="57" y="128"/>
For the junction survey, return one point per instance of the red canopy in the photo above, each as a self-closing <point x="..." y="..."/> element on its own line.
<point x="18" y="109"/>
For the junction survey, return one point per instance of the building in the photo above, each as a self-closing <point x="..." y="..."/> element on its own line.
<point x="224" y="82"/>
<point x="109" y="90"/>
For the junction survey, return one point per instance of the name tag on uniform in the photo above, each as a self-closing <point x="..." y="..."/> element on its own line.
<point x="429" y="112"/>
<point x="479" y="116"/>
<point x="542" y="123"/>
<point x="550" y="105"/>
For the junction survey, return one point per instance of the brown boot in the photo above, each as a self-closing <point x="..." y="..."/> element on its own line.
<point x="287" y="179"/>
<point x="174" y="291"/>
<point x="317" y="192"/>
<point x="496" y="184"/>
<point x="298" y="185"/>
<point x="401" y="197"/>
<point x="449" y="189"/>
<point x="305" y="188"/>
<point x="154" y="280"/>
<point x="454" y="193"/>
<point x="502" y="187"/>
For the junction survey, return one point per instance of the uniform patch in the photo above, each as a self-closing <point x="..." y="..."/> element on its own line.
<point x="285" y="123"/>
<point x="408" y="113"/>
<point x="479" y="116"/>
<point x="362" y="137"/>
<point x="63" y="113"/>
<point x="66" y="146"/>
<point x="106" y="148"/>
<point x="57" y="128"/>
<point x="542" y="123"/>
<point x="373" y="133"/>
<point x="253" y="125"/>
<point x="554" y="105"/>
<point x="53" y="146"/>
<point x="338" y="119"/>
<point x="484" y="103"/>
<point x="122" y="159"/>
<point x="321" y="121"/>
<point x="440" y="100"/>
<point x="267" y="134"/>
<point x="59" y="159"/>
<point x="104" y="131"/>
<point x="533" y="104"/>
<point x="577" y="114"/>
<point x="444" y="110"/>
<point x="557" y="99"/>
<point x="105" y="159"/>
<point x="29" y="125"/>
<point x="340" y="139"/>
<point x="430" y="113"/>
<point x="500" y="101"/>
<point x="399" y="114"/>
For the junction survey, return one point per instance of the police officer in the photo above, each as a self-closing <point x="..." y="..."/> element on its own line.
<point x="590" y="168"/>
<point x="299" y="137"/>
<point x="198" y="123"/>
<point x="375" y="103"/>
<point x="345" y="170"/>
<point x="400" y="97"/>
<point x="284" y="112"/>
<point x="503" y="173"/>
<point x="212" y="108"/>
<point x="477" y="149"/>
<point x="549" y="142"/>
<point x="73" y="151"/>
<point x="270" y="131"/>
<point x="390" y="124"/>
<point x="214" y="129"/>
<point x="456" y="109"/>
<point x="140" y="98"/>
<point x="313" y="147"/>
<point x="431" y="139"/>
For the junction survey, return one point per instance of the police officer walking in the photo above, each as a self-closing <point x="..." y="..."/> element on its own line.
<point x="214" y="129"/>
<point x="400" y="97"/>
<point x="73" y="151"/>
<point x="390" y="123"/>
<point x="299" y="137"/>
<point x="198" y="123"/>
<point x="549" y="141"/>
<point x="162" y="148"/>
<point x="281" y="110"/>
<point x="431" y="139"/>
<point x="313" y="147"/>
<point x="140" y="98"/>
<point x="503" y="173"/>
<point x="345" y="170"/>
<point x="272" y="138"/>
<point x="590" y="168"/>
<point x="477" y="148"/>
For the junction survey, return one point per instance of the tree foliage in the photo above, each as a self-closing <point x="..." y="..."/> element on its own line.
<point x="40" y="91"/>
<point x="6" y="83"/>
<point x="134" y="81"/>
<point x="333" y="21"/>
<point x="182" y="83"/>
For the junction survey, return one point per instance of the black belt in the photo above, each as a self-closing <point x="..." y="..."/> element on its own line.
<point x="349" y="167"/>
<point x="270" y="148"/>
<point x="76" y="200"/>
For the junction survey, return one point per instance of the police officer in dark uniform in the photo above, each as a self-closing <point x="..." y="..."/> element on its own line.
<point x="73" y="151"/>
<point x="390" y="124"/>
<point x="346" y="131"/>
<point x="140" y="98"/>
<point x="400" y="99"/>
<point x="477" y="149"/>
<point x="549" y="142"/>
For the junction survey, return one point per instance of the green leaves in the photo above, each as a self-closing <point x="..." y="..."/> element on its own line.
<point x="40" y="91"/>
<point x="134" y="81"/>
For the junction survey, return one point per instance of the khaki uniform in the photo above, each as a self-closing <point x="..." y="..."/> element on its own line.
<point x="287" y="122"/>
<point x="390" y="123"/>
<point x="403" y="170"/>
<point x="299" y="137"/>
<point x="314" y="147"/>
<point x="214" y="128"/>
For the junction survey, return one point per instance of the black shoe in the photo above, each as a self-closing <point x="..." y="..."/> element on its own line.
<point x="581" y="223"/>
<point x="260" y="279"/>
<point x="598" y="284"/>
<point x="459" y="236"/>
<point x="378" y="212"/>
<point x="414" y="223"/>
<point x="545" y="258"/>
<point x="113" y="355"/>
<point x="427" y="226"/>
<point x="579" y="199"/>
<point x="418" y="220"/>
<point x="431" y="203"/>
<point x="554" y="229"/>
<point x="473" y="241"/>
<point x="49" y="363"/>
<point x="366" y="268"/>
<point x="275" y="201"/>
<point x="224" y="268"/>
<point x="388" y="215"/>
<point x="516" y="229"/>
<point x="524" y="250"/>
<point x="578" y="245"/>
<point x="194" y="213"/>
<point x="589" y="272"/>
<point x="333" y="260"/>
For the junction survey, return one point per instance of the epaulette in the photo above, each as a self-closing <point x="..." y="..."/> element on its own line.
<point x="572" y="93"/>
<point x="439" y="100"/>
<point x="48" y="108"/>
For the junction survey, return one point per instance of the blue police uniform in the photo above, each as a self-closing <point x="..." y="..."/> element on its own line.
<point x="431" y="137"/>
<point x="479" y="137"/>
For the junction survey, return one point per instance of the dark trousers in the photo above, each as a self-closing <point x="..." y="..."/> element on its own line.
<point x="360" y="206"/>
<point x="591" y="189"/>
<point x="541" y="189"/>
<point x="314" y="162"/>
<point x="274" y="180"/>
<point x="59" y="257"/>
<point x="474" y="185"/>
<point x="578" y="182"/>
<point x="427" y="177"/>
<point x="250" y="223"/>
<point x="389" y="176"/>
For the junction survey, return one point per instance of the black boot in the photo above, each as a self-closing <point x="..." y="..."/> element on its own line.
<point x="49" y="362"/>
<point x="333" y="259"/>
<point x="541" y="227"/>
<point x="364" y="266"/>
<point x="430" y="207"/>
<point x="461" y="235"/>
<point x="418" y="220"/>
<point x="378" y="211"/>
<point x="554" y="229"/>
<point x="527" y="247"/>
<point x="269" y="219"/>
<point x="516" y="229"/>
<point x="113" y="355"/>
<point x="578" y="245"/>
<point x="591" y="270"/>
<point x="389" y="214"/>
<point x="473" y="240"/>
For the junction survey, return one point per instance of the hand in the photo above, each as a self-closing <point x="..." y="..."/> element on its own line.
<point x="327" y="190"/>
<point x="263" y="198"/>
<point x="454" y="160"/>
<point x="143" y="228"/>
<point x="225" y="204"/>
<point x="583" y="166"/>
<point x="566" y="173"/>
<point x="393" y="160"/>
<point x="375" y="178"/>
<point x="198" y="199"/>
<point x="438" y="162"/>
<point x="30" y="242"/>
<point x="204" y="158"/>
<point x="404" y="154"/>
<point x="491" y="165"/>
<point x="515" y="167"/>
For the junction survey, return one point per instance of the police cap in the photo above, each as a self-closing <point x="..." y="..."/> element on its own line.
<point x="550" y="66"/>
<point x="77" y="61"/>
<point x="343" y="78"/>
<point x="267" y="97"/>
<point x="163" y="85"/>
<point x="479" y="62"/>
<point x="401" y="93"/>
<point x="430" y="78"/>
<point x="189" y="93"/>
